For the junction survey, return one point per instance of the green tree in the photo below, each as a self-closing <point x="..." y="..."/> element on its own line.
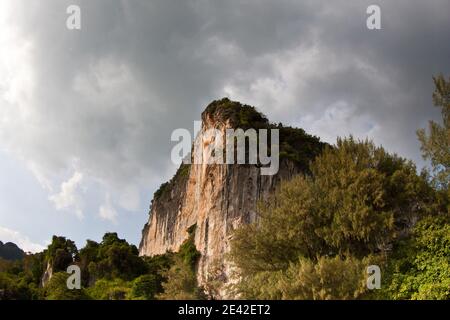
<point x="146" y="287"/>
<point x="436" y="144"/>
<point x="56" y="289"/>
<point x="326" y="278"/>
<point x="420" y="265"/>
<point x="112" y="258"/>
<point x="34" y="266"/>
<point x="181" y="280"/>
<point x="110" y="289"/>
<point x="61" y="253"/>
<point x="88" y="257"/>
<point x="13" y="287"/>
<point x="356" y="202"/>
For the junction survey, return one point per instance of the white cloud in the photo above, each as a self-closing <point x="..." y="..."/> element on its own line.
<point x="129" y="198"/>
<point x="339" y="120"/>
<point x="8" y="235"/>
<point x="68" y="196"/>
<point x="107" y="211"/>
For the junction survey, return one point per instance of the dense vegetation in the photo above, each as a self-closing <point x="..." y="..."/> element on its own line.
<point x="359" y="206"/>
<point x="295" y="143"/>
<point x="356" y="205"/>
<point x="110" y="270"/>
<point x="318" y="233"/>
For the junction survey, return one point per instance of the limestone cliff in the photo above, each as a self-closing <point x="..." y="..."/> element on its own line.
<point x="48" y="274"/>
<point x="219" y="198"/>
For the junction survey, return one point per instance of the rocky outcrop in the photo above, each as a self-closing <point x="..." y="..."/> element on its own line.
<point x="218" y="198"/>
<point x="48" y="273"/>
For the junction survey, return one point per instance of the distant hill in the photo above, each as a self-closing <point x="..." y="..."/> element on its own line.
<point x="10" y="251"/>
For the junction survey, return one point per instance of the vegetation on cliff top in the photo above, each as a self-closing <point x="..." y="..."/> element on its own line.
<point x="295" y="144"/>
<point x="181" y="175"/>
<point x="239" y="115"/>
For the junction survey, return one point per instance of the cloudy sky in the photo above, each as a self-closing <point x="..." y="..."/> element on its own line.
<point x="86" y="115"/>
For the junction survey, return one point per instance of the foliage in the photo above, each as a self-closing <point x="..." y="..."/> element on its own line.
<point x="294" y="143"/>
<point x="188" y="252"/>
<point x="56" y="289"/>
<point x="112" y="258"/>
<point x="180" y="176"/>
<point x="240" y="116"/>
<point x="110" y="289"/>
<point x="420" y="265"/>
<point x="12" y="287"/>
<point x="155" y="264"/>
<point x="61" y="253"/>
<point x="298" y="146"/>
<point x="355" y="203"/>
<point x="88" y="257"/>
<point x="146" y="287"/>
<point x="436" y="144"/>
<point x="19" y="280"/>
<point x="111" y="269"/>
<point x="181" y="281"/>
<point x="34" y="266"/>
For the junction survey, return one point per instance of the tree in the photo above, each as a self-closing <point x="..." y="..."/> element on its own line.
<point x="356" y="202"/>
<point x="146" y="287"/>
<point x="420" y="265"/>
<point x="88" y="257"/>
<point x="436" y="144"/>
<point x="181" y="280"/>
<point x="327" y="278"/>
<point x="33" y="264"/>
<point x="56" y="289"/>
<point x="61" y="253"/>
<point x="110" y="289"/>
<point x="112" y="258"/>
<point x="13" y="288"/>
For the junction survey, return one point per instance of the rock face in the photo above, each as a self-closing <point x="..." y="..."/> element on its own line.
<point x="216" y="198"/>
<point x="48" y="274"/>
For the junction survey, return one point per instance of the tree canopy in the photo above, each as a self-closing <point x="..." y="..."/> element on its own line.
<point x="358" y="201"/>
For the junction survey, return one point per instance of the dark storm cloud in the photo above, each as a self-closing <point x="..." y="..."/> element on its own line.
<point x="104" y="100"/>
